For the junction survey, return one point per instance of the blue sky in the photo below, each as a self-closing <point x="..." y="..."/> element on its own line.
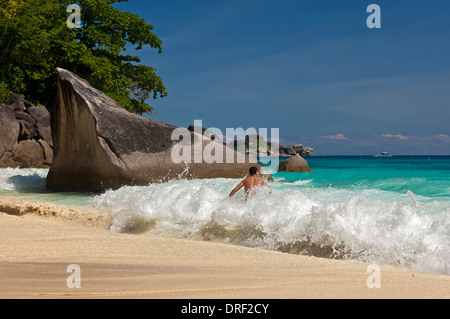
<point x="311" y="68"/>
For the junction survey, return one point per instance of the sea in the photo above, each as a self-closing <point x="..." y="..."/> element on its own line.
<point x="385" y="211"/>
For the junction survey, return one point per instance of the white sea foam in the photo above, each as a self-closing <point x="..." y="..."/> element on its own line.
<point x="364" y="225"/>
<point x="17" y="179"/>
<point x="368" y="225"/>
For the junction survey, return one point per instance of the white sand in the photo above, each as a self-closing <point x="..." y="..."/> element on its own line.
<point x="38" y="242"/>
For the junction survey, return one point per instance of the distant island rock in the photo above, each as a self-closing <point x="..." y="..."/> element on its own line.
<point x="25" y="134"/>
<point x="256" y="144"/>
<point x="295" y="163"/>
<point x="98" y="145"/>
<point x="291" y="150"/>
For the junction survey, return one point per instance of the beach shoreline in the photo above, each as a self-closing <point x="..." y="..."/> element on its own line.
<point x="39" y="241"/>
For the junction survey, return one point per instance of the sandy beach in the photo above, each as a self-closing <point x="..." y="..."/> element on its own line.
<point x="243" y="150"/>
<point x="39" y="241"/>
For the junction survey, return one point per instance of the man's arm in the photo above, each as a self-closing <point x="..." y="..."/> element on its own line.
<point x="236" y="189"/>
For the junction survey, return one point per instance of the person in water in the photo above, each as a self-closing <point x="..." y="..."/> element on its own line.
<point x="250" y="183"/>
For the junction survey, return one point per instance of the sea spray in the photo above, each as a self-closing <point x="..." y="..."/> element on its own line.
<point x="23" y="180"/>
<point x="363" y="225"/>
<point x="29" y="184"/>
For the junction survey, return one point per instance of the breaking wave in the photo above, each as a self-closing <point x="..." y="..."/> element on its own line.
<point x="365" y="225"/>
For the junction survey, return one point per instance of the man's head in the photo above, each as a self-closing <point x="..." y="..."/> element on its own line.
<point x="253" y="170"/>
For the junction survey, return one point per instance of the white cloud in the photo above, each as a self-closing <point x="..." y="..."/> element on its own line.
<point x="439" y="138"/>
<point x="340" y="137"/>
<point x="443" y="137"/>
<point x="396" y="137"/>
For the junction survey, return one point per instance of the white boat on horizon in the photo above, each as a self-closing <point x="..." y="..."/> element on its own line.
<point x="383" y="154"/>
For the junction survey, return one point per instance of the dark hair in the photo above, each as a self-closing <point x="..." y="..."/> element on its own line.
<point x="253" y="170"/>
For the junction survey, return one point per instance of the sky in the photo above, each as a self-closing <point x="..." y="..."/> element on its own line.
<point x="313" y="69"/>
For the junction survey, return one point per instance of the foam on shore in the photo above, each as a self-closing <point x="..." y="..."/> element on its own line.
<point x="78" y="216"/>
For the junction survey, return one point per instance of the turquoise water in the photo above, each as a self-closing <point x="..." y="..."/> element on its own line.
<point x="30" y="184"/>
<point x="392" y="211"/>
<point x="427" y="176"/>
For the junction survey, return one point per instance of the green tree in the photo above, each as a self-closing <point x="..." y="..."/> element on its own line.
<point x="35" y="40"/>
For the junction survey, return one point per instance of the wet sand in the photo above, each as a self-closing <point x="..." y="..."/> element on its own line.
<point x="38" y="242"/>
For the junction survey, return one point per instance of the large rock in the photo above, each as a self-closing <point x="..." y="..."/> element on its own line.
<point x="25" y="134"/>
<point x="18" y="102"/>
<point x="294" y="164"/>
<point x="298" y="148"/>
<point x="42" y="118"/>
<point x="290" y="150"/>
<point x="29" y="153"/>
<point x="27" y="126"/>
<point x="9" y="130"/>
<point x="205" y="132"/>
<point x="7" y="160"/>
<point x="48" y="152"/>
<point x="6" y="108"/>
<point x="307" y="151"/>
<point x="44" y="130"/>
<point x="98" y="145"/>
<point x="38" y="112"/>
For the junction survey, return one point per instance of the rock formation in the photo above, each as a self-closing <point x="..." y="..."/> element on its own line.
<point x="98" y="145"/>
<point x="268" y="147"/>
<point x="290" y="150"/>
<point x="25" y="134"/>
<point x="295" y="163"/>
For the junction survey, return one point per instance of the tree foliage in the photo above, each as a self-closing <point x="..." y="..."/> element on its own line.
<point x="35" y="40"/>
